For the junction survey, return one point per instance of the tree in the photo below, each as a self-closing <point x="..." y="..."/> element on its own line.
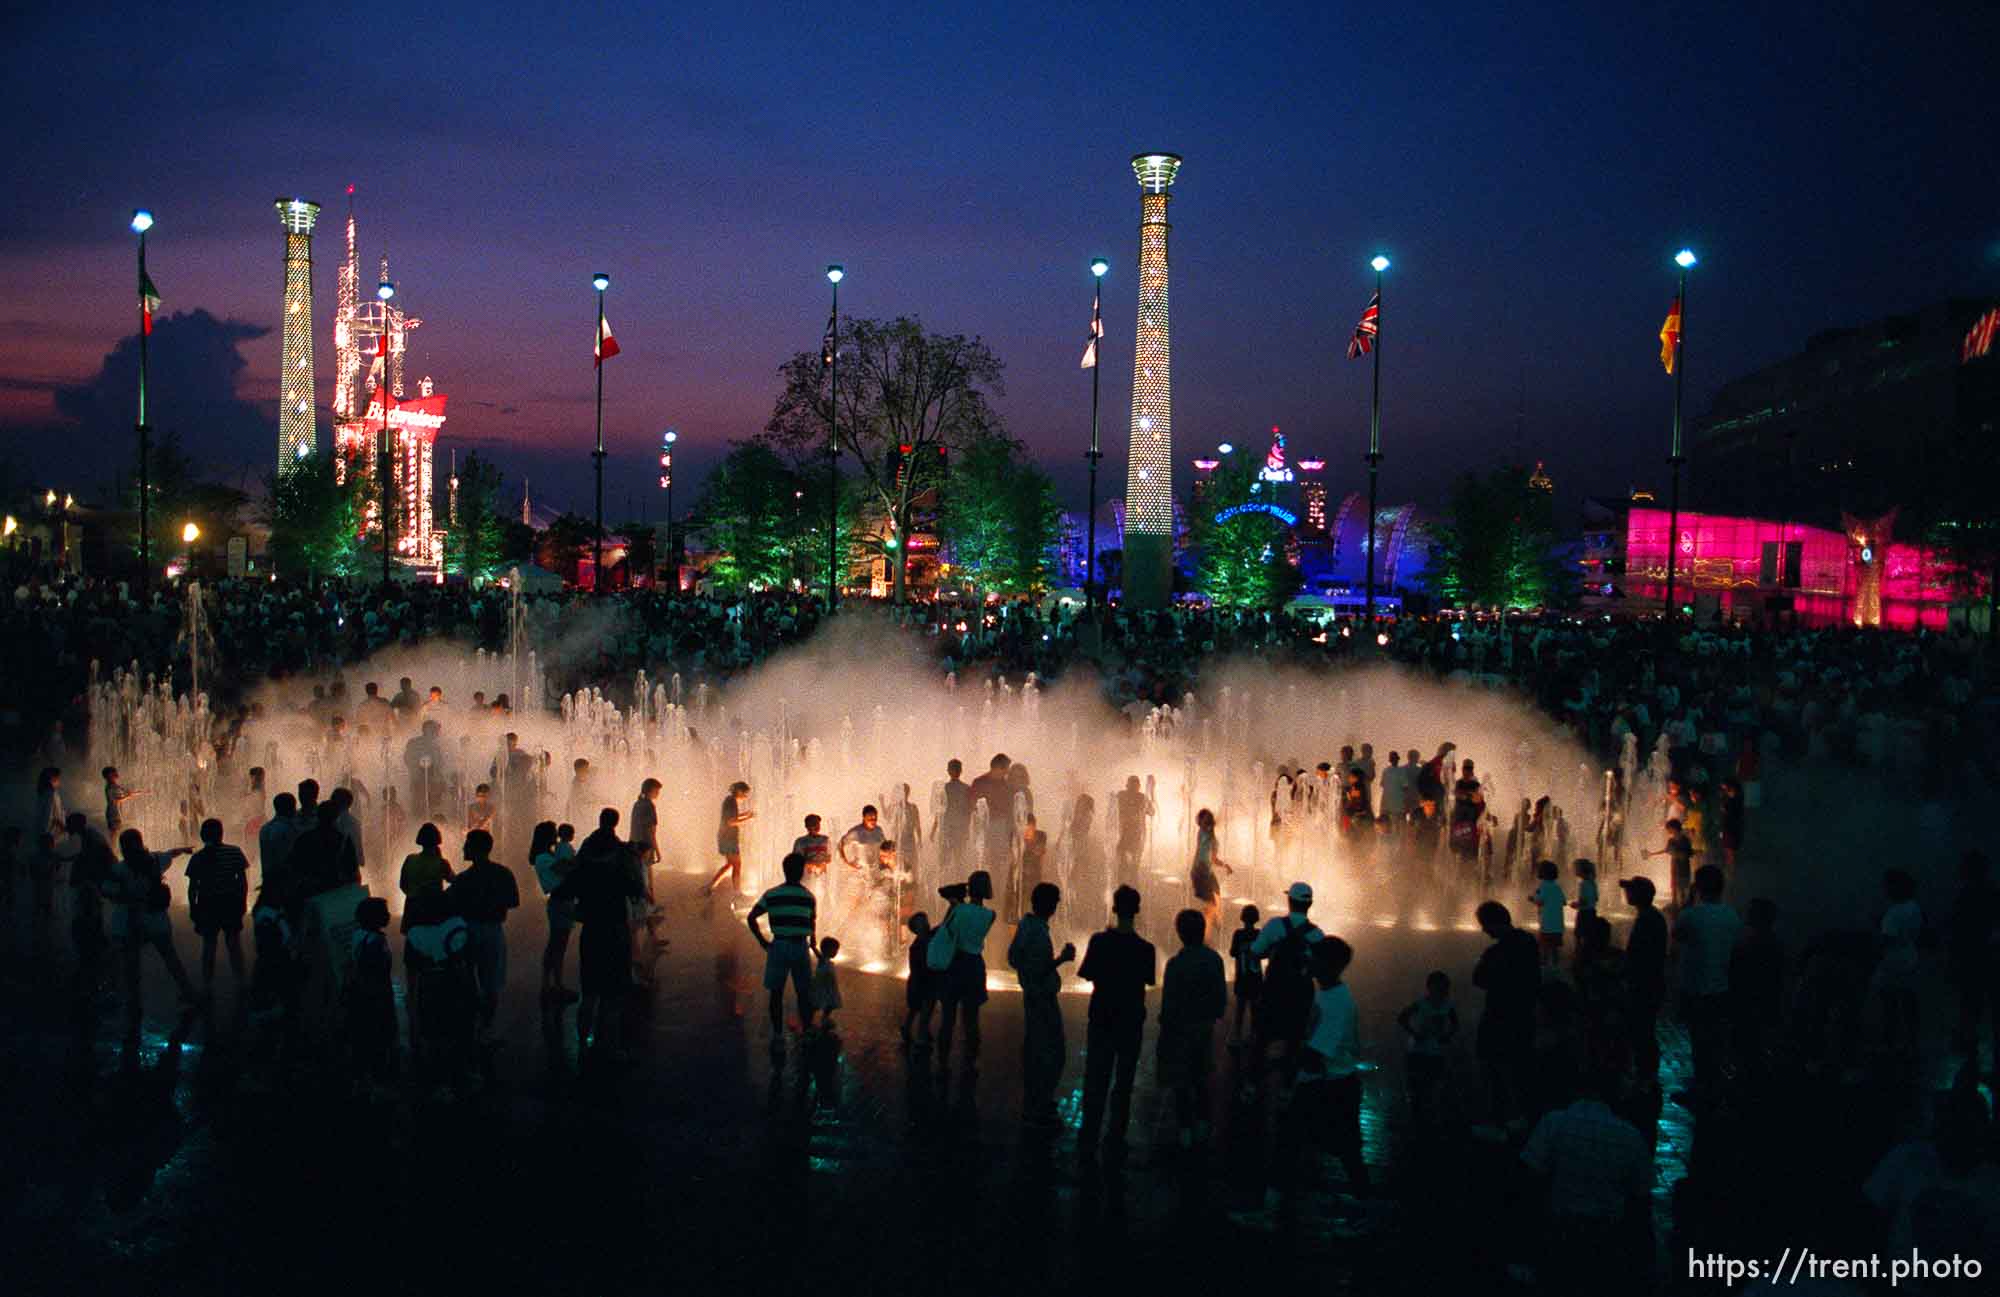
<point x="475" y="539"/>
<point x="176" y="496"/>
<point x="642" y="552"/>
<point x="315" y="519"/>
<point x="767" y="519"/>
<point x="564" y="544"/>
<point x="1496" y="546"/>
<point x="998" y="514"/>
<point x="908" y="400"/>
<point x="1240" y="560"/>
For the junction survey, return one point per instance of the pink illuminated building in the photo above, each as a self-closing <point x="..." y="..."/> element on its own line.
<point x="1751" y="567"/>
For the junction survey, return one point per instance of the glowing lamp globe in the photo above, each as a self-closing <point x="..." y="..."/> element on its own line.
<point x="385" y="290"/>
<point x="1099" y="267"/>
<point x="1226" y="448"/>
<point x="142" y="220"/>
<point x="600" y="281"/>
<point x="834" y="274"/>
<point x="190" y="534"/>
<point x="1684" y="258"/>
<point x="1380" y="263"/>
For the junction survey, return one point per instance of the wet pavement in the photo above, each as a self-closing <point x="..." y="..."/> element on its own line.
<point x="199" y="1162"/>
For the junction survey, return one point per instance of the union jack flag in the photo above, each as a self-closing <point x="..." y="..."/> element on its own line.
<point x="1363" y="340"/>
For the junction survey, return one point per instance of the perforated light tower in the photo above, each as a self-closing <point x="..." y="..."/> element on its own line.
<point x="296" y="434"/>
<point x="1149" y="468"/>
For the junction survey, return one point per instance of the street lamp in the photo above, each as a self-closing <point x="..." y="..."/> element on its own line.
<point x="383" y="470"/>
<point x="667" y="440"/>
<point x="142" y="220"/>
<point x="1099" y="267"/>
<point x="599" y="281"/>
<point x="831" y="357"/>
<point x="1380" y="263"/>
<point x="190" y="533"/>
<point x="1685" y="259"/>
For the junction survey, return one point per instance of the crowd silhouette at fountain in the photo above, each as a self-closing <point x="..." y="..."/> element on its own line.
<point x="1252" y="786"/>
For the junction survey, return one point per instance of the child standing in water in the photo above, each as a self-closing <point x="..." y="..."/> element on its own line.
<point x="1585" y="903"/>
<point x="921" y="992"/>
<point x="1249" y="971"/>
<point x="1429" y="1024"/>
<point x="825" y="985"/>
<point x="1549" y="899"/>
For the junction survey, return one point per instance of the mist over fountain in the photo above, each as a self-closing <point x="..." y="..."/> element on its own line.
<point x="859" y="715"/>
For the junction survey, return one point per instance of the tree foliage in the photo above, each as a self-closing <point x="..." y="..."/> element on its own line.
<point x="767" y="518"/>
<point x="315" y="520"/>
<point x="564" y="543"/>
<point x="909" y="400"/>
<point x="176" y="496"/>
<point x="1240" y="562"/>
<point x="1496" y="546"/>
<point x="475" y="541"/>
<point x="642" y="551"/>
<point x="999" y="516"/>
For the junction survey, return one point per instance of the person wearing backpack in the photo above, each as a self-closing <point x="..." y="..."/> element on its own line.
<point x="958" y="952"/>
<point x="1285" y="1005"/>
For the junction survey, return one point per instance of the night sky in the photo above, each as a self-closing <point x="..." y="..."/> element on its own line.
<point x="1530" y="171"/>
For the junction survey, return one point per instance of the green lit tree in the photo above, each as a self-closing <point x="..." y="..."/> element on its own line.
<point x="1239" y="561"/>
<point x="475" y="542"/>
<point x="909" y="400"/>
<point x="1496" y="545"/>
<point x="767" y="519"/>
<point x="998" y="514"/>
<point x="315" y="520"/>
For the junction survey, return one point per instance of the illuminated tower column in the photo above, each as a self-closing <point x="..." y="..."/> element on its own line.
<point x="1149" y="469"/>
<point x="296" y="435"/>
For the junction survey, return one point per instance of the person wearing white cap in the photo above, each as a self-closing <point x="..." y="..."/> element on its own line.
<point x="1282" y="1011"/>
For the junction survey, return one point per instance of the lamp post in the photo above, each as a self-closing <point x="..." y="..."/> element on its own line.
<point x="1098" y="267"/>
<point x="384" y="472"/>
<point x="834" y="274"/>
<point x="1685" y="260"/>
<point x="600" y="281"/>
<point x="1380" y="263"/>
<point x="142" y="220"/>
<point x="667" y="440"/>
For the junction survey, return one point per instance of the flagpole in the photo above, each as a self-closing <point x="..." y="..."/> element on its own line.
<point x="1375" y="434"/>
<point x="384" y="468"/>
<point x="834" y="275"/>
<point x="600" y="281"/>
<point x="1675" y="458"/>
<point x="1097" y="268"/>
<point x="142" y="221"/>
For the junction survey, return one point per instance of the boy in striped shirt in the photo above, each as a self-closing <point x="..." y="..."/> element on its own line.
<point x="788" y="950"/>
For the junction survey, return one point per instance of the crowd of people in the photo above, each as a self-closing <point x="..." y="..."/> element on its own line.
<point x="1577" y="994"/>
<point x="1924" y="701"/>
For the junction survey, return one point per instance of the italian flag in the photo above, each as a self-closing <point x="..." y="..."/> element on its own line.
<point x="149" y="301"/>
<point x="607" y="346"/>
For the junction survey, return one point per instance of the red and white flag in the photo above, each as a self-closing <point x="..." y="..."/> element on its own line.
<point x="607" y="346"/>
<point x="1979" y="339"/>
<point x="1096" y="332"/>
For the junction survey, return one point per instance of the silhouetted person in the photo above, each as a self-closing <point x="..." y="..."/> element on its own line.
<point x="1119" y="964"/>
